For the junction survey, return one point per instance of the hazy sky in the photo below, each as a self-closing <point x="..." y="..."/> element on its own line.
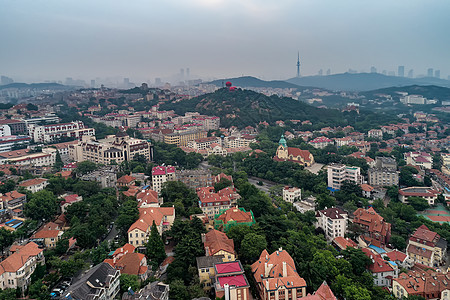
<point x="144" y="39"/>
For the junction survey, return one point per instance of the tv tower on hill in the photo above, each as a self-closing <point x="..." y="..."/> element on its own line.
<point x="298" y="64"/>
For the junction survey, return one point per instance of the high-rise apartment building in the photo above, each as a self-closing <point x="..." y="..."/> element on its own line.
<point x="161" y="174"/>
<point x="384" y="173"/>
<point x="338" y="173"/>
<point x="401" y="71"/>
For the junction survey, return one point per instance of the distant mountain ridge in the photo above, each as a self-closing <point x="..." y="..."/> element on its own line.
<point x="44" y="85"/>
<point x="428" y="91"/>
<point x="250" y="81"/>
<point x="364" y="81"/>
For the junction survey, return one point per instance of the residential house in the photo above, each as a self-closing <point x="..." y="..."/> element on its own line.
<point x="400" y="258"/>
<point x="375" y="133"/>
<point x="367" y="190"/>
<point x="147" y="198"/>
<point x="333" y="222"/>
<point x="139" y="231"/>
<point x="100" y="282"/>
<point x="130" y="263"/>
<point x="48" y="235"/>
<point x="126" y="181"/>
<point x="363" y="146"/>
<point x="373" y="225"/>
<point x="119" y="252"/>
<point x="427" y="284"/>
<point x="427" y="193"/>
<point x="426" y="247"/>
<point x="34" y="185"/>
<point x="285" y="153"/>
<point x="276" y="276"/>
<point x="206" y="271"/>
<point x="212" y="203"/>
<point x="232" y="217"/>
<point x="16" y="269"/>
<point x="291" y="194"/>
<point x="69" y="200"/>
<point x="307" y="204"/>
<point x="382" y="271"/>
<point x="13" y="201"/>
<point x="320" y="142"/>
<point x="230" y="281"/>
<point x="421" y="159"/>
<point x="217" y="243"/>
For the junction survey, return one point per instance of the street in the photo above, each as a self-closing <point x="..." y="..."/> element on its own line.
<point x="267" y="184"/>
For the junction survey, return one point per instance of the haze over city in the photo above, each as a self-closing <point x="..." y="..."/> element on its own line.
<point x="52" y="40"/>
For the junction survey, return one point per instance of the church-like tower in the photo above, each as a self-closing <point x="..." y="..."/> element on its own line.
<point x="282" y="150"/>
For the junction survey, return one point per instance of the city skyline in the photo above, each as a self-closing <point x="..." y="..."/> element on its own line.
<point x="219" y="39"/>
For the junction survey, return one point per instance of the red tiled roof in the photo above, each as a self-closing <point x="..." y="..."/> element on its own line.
<point x="374" y="222"/>
<point x="424" y="233"/>
<point x="396" y="255"/>
<point x="229" y="267"/>
<point x="236" y="280"/>
<point x="378" y="265"/>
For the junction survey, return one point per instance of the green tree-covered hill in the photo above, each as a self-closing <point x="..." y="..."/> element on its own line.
<point x="243" y="107"/>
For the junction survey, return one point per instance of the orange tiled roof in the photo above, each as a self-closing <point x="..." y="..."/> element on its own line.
<point x="127" y="248"/>
<point x="216" y="240"/>
<point x="147" y="196"/>
<point x="369" y="217"/>
<point x="423" y="283"/>
<point x="149" y="214"/>
<point x="273" y="275"/>
<point x="132" y="263"/>
<point x="126" y="179"/>
<point x="16" y="260"/>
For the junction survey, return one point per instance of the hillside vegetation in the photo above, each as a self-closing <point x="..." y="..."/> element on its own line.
<point x="243" y="107"/>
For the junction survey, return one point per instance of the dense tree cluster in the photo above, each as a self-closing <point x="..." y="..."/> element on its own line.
<point x="182" y="272"/>
<point x="183" y="198"/>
